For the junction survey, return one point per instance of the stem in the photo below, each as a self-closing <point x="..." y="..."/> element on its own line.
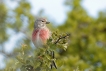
<point x="62" y="37"/>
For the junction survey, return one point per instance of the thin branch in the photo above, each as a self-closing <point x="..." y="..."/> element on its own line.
<point x="62" y="37"/>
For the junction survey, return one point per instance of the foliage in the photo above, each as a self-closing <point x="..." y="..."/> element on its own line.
<point x="88" y="38"/>
<point x="41" y="59"/>
<point x="3" y="16"/>
<point x="83" y="50"/>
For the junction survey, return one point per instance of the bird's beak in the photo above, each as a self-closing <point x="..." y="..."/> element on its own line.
<point x="47" y="22"/>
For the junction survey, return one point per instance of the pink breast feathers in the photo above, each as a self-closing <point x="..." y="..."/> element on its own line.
<point x="43" y="34"/>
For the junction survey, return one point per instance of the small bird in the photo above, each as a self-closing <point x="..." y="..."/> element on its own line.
<point x="40" y="33"/>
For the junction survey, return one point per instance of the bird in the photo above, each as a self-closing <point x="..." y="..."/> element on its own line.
<point x="41" y="32"/>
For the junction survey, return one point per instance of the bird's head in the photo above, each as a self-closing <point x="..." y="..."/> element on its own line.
<point x="40" y="23"/>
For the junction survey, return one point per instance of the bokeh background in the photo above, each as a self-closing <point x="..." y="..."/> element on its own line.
<point x="84" y="19"/>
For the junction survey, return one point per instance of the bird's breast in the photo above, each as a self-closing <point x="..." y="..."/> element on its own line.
<point x="40" y="36"/>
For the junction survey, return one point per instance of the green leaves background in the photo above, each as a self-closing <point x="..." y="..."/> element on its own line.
<point x="83" y="50"/>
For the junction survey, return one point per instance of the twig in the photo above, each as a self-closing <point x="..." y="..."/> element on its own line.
<point x="53" y="64"/>
<point x="62" y="37"/>
<point x="53" y="55"/>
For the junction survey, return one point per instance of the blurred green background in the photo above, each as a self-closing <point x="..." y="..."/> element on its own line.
<point x="87" y="47"/>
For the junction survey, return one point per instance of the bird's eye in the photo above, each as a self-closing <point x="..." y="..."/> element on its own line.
<point x="42" y="21"/>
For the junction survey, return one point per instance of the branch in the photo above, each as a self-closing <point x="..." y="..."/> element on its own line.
<point x="62" y="37"/>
